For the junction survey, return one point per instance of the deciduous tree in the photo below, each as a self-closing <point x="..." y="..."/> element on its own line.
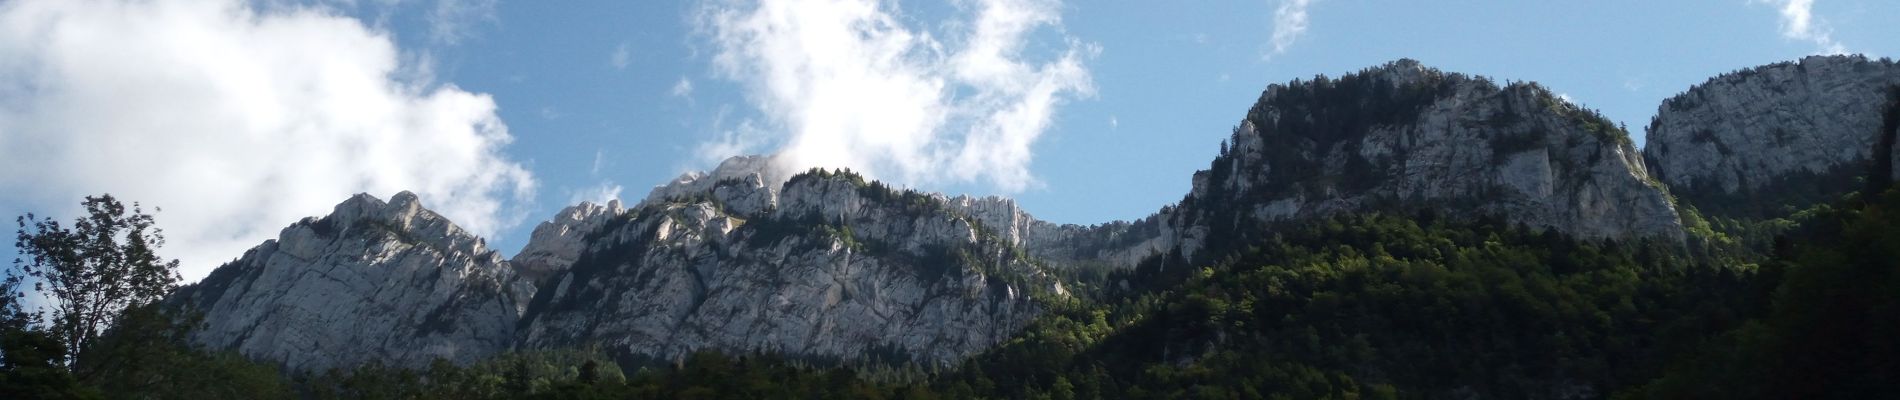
<point x="90" y="273"/>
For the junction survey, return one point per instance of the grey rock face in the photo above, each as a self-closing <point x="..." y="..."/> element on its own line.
<point x="1395" y="138"/>
<point x="1409" y="137"/>
<point x="372" y="281"/>
<point x="1118" y="243"/>
<point x="1741" y="132"/>
<point x="733" y="183"/>
<point x="840" y="268"/>
<point x="557" y="243"/>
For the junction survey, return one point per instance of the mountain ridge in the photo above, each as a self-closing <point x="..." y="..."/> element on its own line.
<point x="823" y="263"/>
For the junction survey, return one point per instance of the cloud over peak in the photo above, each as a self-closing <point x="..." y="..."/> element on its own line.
<point x="1289" y="23"/>
<point x="1799" y="23"/>
<point x="847" y="83"/>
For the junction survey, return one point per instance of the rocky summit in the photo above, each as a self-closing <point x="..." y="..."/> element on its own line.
<point x="840" y="269"/>
<point x="824" y="264"/>
<point x="1785" y="134"/>
<point x="373" y="281"/>
<point x="557" y="243"/>
<point x="1405" y="137"/>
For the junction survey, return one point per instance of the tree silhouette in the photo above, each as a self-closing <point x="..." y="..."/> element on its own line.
<point x="106" y="262"/>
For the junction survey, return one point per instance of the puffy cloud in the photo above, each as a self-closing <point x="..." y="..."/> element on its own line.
<point x="1289" y="23"/>
<point x="235" y="120"/>
<point x="1799" y="23"/>
<point x="849" y="83"/>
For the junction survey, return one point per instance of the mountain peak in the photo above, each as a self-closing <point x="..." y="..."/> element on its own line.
<point x="1402" y="71"/>
<point x="404" y="199"/>
<point x="315" y="297"/>
<point x="764" y="174"/>
<point x="1749" y="142"/>
<point x="1403" y="136"/>
<point x="557" y="243"/>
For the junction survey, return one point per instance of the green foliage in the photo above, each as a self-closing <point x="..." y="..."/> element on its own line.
<point x="1830" y="332"/>
<point x="1589" y="120"/>
<point x="1780" y="197"/>
<point x="1308" y="121"/>
<point x="1378" y="305"/>
<point x="146" y="354"/>
<point x="547" y="374"/>
<point x="586" y="375"/>
<point x="33" y="368"/>
<point x="106" y="335"/>
<point x="104" y="264"/>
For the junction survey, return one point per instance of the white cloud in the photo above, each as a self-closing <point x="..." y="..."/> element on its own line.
<point x="1289" y="23"/>
<point x="454" y="20"/>
<point x="621" y="57"/>
<point x="1799" y="23"/>
<point x="849" y="83"/>
<point x="599" y="194"/>
<point x="445" y="21"/>
<point x="1114" y="123"/>
<point x="741" y="139"/>
<point x="236" y="121"/>
<point x="683" y="88"/>
<point x="600" y="159"/>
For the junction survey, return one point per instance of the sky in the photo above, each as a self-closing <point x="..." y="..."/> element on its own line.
<point x="235" y="118"/>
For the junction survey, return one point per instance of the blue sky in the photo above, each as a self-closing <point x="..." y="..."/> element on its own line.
<point x="1085" y="112"/>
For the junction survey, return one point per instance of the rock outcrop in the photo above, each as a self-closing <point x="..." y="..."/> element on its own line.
<point x="390" y="282"/>
<point x="735" y="181"/>
<point x="1118" y="243"/>
<point x="840" y="269"/>
<point x="1788" y="134"/>
<point x="558" y="242"/>
<point x="1403" y="137"/>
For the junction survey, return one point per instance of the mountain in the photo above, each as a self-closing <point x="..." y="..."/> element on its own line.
<point x="373" y="281"/>
<point x="1404" y="138"/>
<point x="755" y="256"/>
<point x="1401" y="137"/>
<point x="1766" y="140"/>
<point x="828" y="266"/>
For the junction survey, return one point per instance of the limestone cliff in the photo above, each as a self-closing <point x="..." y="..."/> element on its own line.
<point x="1403" y="137"/>
<point x="390" y="282"/>
<point x="558" y="242"/>
<point x="1759" y="141"/>
<point x="840" y="269"/>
